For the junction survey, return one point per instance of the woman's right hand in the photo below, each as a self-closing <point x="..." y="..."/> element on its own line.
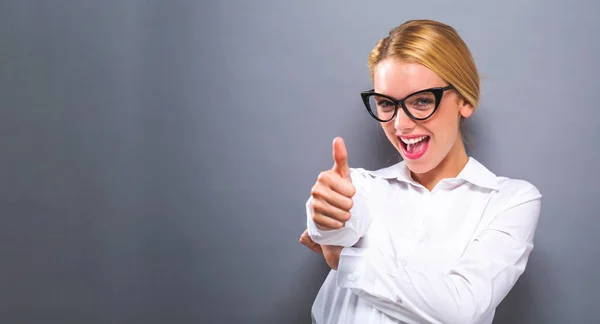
<point x="332" y="193"/>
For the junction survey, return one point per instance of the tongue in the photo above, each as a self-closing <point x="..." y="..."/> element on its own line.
<point x="416" y="148"/>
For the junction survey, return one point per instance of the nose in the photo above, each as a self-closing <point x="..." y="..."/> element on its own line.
<point x="402" y="122"/>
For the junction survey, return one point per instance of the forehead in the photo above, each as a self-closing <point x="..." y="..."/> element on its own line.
<point x="399" y="79"/>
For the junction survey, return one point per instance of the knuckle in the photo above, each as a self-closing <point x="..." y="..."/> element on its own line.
<point x="318" y="191"/>
<point x="350" y="204"/>
<point x="314" y="191"/>
<point x="342" y="217"/>
<point x="316" y="205"/>
<point x="316" y="218"/>
<point x="323" y="177"/>
<point x="320" y="219"/>
<point x="352" y="191"/>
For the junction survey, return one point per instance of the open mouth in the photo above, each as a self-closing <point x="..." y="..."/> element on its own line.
<point x="414" y="147"/>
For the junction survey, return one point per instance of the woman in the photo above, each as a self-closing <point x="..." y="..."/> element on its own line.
<point x="437" y="238"/>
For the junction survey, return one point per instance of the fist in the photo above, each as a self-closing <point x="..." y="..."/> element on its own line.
<point x="331" y="253"/>
<point x="332" y="193"/>
<point x="309" y="243"/>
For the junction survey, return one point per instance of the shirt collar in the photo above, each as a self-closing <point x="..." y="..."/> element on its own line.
<point x="396" y="171"/>
<point x="473" y="172"/>
<point x="477" y="174"/>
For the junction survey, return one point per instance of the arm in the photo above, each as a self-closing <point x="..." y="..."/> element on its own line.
<point x="473" y="287"/>
<point x="353" y="229"/>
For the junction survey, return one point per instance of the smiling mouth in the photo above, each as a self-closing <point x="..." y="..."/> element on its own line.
<point x="415" y="147"/>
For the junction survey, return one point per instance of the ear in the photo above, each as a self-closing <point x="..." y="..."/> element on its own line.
<point x="465" y="108"/>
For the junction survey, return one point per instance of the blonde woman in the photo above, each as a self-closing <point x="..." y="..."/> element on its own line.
<point x="436" y="238"/>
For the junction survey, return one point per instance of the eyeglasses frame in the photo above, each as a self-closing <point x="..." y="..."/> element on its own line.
<point x="438" y="93"/>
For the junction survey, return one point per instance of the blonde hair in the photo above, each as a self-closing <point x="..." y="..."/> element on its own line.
<point x="436" y="46"/>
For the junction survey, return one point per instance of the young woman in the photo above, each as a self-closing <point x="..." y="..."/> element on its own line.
<point x="436" y="238"/>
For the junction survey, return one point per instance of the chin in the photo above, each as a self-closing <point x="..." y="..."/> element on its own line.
<point x="419" y="167"/>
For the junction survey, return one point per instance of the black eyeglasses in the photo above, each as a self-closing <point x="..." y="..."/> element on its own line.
<point x="419" y="105"/>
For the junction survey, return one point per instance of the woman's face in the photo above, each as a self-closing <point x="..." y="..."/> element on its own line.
<point x="438" y="137"/>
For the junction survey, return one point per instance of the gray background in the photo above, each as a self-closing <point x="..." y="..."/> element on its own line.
<point x="155" y="156"/>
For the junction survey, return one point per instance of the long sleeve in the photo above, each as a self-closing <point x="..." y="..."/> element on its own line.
<point x="467" y="293"/>
<point x="359" y="221"/>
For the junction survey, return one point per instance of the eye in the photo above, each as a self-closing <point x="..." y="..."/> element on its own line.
<point x="424" y="102"/>
<point x="385" y="104"/>
<point x="421" y="101"/>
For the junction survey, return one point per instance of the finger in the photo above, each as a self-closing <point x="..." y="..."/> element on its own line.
<point x="317" y="248"/>
<point x="332" y="180"/>
<point x="333" y="198"/>
<point x="312" y="245"/>
<point x="321" y="207"/>
<point x="342" y="186"/>
<point x="340" y="158"/>
<point x="340" y="202"/>
<point x="327" y="223"/>
<point x="308" y="242"/>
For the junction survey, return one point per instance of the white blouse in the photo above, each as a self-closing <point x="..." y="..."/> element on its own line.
<point x="414" y="256"/>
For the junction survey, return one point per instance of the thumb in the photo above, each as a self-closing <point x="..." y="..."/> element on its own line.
<point x="340" y="158"/>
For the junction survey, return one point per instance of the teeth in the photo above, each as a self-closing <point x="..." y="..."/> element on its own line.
<point x="413" y="140"/>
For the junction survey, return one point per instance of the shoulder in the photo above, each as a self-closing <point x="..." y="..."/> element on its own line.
<point x="505" y="188"/>
<point x="513" y="192"/>
<point x="516" y="185"/>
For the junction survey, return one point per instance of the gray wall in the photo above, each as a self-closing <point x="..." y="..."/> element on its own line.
<point x="155" y="156"/>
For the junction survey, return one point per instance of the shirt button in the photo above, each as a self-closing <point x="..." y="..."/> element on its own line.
<point x="404" y="262"/>
<point x="351" y="277"/>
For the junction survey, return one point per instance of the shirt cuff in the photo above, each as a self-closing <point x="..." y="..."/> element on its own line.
<point x="353" y="268"/>
<point x="346" y="236"/>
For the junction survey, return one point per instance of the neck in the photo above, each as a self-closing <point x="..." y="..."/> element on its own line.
<point x="449" y="167"/>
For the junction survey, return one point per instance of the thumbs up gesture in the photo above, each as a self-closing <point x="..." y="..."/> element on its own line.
<point x="332" y="193"/>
